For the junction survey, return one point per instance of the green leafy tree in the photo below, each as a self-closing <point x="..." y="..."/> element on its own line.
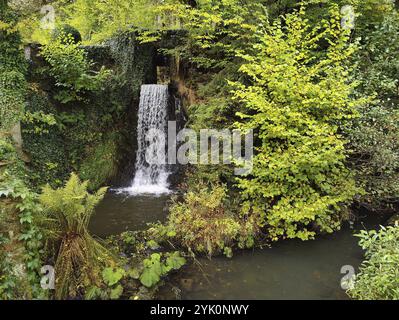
<point x="298" y="95"/>
<point x="374" y="136"/>
<point x="100" y="20"/>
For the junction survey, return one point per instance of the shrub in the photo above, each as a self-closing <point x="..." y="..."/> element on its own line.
<point x="71" y="69"/>
<point x="202" y="223"/>
<point x="69" y="31"/>
<point x="378" y="278"/>
<point x="295" y="101"/>
<point x="374" y="136"/>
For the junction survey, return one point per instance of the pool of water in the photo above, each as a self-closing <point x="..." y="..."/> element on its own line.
<point x="288" y="270"/>
<point x="120" y="212"/>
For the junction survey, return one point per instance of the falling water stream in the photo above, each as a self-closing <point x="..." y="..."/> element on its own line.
<point x="151" y="171"/>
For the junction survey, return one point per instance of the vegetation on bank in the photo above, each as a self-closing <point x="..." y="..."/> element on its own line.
<point x="322" y="100"/>
<point x="378" y="278"/>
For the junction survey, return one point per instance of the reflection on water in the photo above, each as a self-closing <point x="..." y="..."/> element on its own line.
<point x="289" y="270"/>
<point x="118" y="213"/>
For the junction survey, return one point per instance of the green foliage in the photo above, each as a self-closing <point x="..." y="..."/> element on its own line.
<point x="25" y="204"/>
<point x="69" y="31"/>
<point x="43" y="140"/>
<point x="12" y="71"/>
<point x="155" y="267"/>
<point x="378" y="278"/>
<point x="100" y="20"/>
<point x="71" y="69"/>
<point x="298" y="95"/>
<point x="374" y="136"/>
<point x="153" y="270"/>
<point x="100" y="165"/>
<point x="7" y="152"/>
<point x="217" y="30"/>
<point x="20" y="239"/>
<point x="9" y="281"/>
<point x="111" y="276"/>
<point x="79" y="257"/>
<point x="203" y="223"/>
<point x="40" y="121"/>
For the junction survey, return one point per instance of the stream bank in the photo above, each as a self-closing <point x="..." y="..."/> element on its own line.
<point x="291" y="269"/>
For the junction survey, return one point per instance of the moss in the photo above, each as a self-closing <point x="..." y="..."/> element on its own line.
<point x="101" y="165"/>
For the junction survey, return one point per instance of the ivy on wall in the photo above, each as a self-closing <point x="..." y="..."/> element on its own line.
<point x="20" y="239"/>
<point x="12" y="71"/>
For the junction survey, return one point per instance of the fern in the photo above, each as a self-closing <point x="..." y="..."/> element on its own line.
<point x="79" y="257"/>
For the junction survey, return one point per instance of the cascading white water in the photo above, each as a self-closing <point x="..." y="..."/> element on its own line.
<point x="153" y="112"/>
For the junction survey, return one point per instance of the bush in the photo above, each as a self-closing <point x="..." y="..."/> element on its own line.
<point x="374" y="136"/>
<point x="71" y="69"/>
<point x="295" y="102"/>
<point x="69" y="31"/>
<point x="202" y="223"/>
<point x="378" y="278"/>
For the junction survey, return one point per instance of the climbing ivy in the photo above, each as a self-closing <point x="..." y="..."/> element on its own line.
<point x="18" y="203"/>
<point x="28" y="208"/>
<point x="12" y="70"/>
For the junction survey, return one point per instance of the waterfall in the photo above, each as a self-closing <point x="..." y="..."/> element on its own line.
<point x="153" y="114"/>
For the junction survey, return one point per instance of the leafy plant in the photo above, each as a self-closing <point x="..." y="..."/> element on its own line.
<point x="378" y="278"/>
<point x="73" y="71"/>
<point x="155" y="267"/>
<point x="39" y="121"/>
<point x="27" y="208"/>
<point x="13" y="68"/>
<point x="295" y="102"/>
<point x="112" y="277"/>
<point x="203" y="223"/>
<point x="374" y="136"/>
<point x="79" y="257"/>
